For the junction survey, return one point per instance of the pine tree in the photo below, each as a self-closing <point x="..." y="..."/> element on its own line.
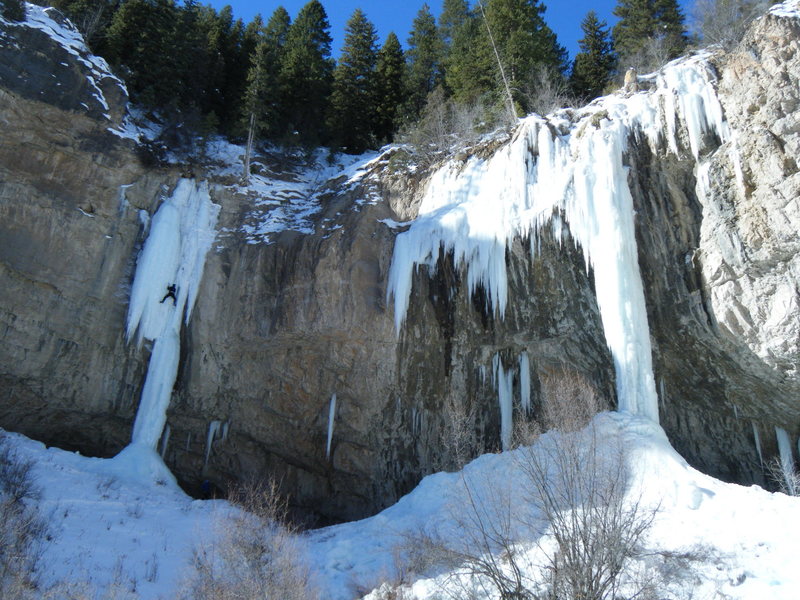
<point x="191" y="57"/>
<point x="354" y="86"/>
<point x="595" y="64"/>
<point x="391" y="70"/>
<point x="636" y="24"/>
<point x="470" y="70"/>
<point x="644" y="22"/>
<point x="12" y="10"/>
<point x="424" y="60"/>
<point x="306" y="74"/>
<point x="139" y="37"/>
<point x="523" y="37"/>
<point x="525" y="43"/>
<point x="671" y="26"/>
<point x="263" y="94"/>
<point x="454" y="15"/>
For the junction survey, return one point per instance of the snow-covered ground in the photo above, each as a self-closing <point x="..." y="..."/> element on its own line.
<point x="289" y="198"/>
<point x="110" y="524"/>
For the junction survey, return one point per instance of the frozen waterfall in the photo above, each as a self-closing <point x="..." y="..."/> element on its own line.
<point x="181" y="233"/>
<point x="554" y="167"/>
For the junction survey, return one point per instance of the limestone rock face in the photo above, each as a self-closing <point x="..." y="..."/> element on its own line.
<point x="749" y="240"/>
<point x="69" y="227"/>
<point x="283" y="321"/>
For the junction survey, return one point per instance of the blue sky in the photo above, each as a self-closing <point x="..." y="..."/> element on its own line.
<point x="563" y="16"/>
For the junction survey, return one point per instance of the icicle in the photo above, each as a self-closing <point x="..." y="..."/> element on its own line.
<point x="525" y="382"/>
<point x="331" y="416"/>
<point x="122" y="198"/>
<point x="757" y="438"/>
<point x="164" y="441"/>
<point x="213" y="429"/>
<point x="785" y="450"/>
<point x="504" y="382"/>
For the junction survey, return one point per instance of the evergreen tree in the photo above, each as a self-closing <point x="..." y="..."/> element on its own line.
<point x="12" y="10"/>
<point x="455" y="14"/>
<point x="636" y="24"/>
<point x="263" y="94"/>
<point x="671" y="26"/>
<point x="470" y="66"/>
<point x="191" y="58"/>
<point x="141" y="41"/>
<point x="644" y="22"/>
<point x="215" y="31"/>
<point x="595" y="64"/>
<point x="306" y="74"/>
<point x="391" y="68"/>
<point x="526" y="45"/>
<point x="353" y="99"/>
<point x="424" y="60"/>
<point x="524" y="39"/>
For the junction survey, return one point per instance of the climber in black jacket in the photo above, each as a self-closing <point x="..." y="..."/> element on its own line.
<point x="171" y="288"/>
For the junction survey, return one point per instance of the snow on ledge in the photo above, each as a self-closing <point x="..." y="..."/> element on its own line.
<point x="787" y="9"/>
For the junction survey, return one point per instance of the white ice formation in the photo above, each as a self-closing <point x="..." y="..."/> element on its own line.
<point x="554" y="168"/>
<point x="331" y="419"/>
<point x="504" y="381"/>
<point x="181" y="233"/>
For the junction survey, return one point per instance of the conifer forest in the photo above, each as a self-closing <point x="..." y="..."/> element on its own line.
<point x="277" y="73"/>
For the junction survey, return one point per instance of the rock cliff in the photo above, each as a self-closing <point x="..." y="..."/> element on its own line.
<point x="293" y="305"/>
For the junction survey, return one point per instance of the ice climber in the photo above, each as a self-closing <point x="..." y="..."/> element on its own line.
<point x="170" y="294"/>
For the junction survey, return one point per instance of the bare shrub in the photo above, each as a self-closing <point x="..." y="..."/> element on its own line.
<point x="449" y="126"/>
<point x="486" y="557"/>
<point x="547" y="90"/>
<point x="457" y="441"/>
<point x="258" y="553"/>
<point x="785" y="476"/>
<point x="654" y="54"/>
<point x="576" y="510"/>
<point x="570" y="401"/>
<point x="724" y="22"/>
<point x="21" y="527"/>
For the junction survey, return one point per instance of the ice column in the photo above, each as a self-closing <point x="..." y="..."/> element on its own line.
<point x="525" y="382"/>
<point x="785" y="450"/>
<point x="331" y="418"/>
<point x="181" y="233"/>
<point x="504" y="383"/>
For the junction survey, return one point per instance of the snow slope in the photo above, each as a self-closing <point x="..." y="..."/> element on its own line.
<point x="109" y="526"/>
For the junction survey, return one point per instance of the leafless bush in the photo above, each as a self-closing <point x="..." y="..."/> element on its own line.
<point x="546" y="91"/>
<point x="570" y="401"/>
<point x="654" y="54"/>
<point x="579" y="489"/>
<point x="785" y="476"/>
<point x="487" y="554"/>
<point x="21" y="527"/>
<point x="575" y="510"/>
<point x="258" y="553"/>
<point x="725" y="22"/>
<point x="457" y="441"/>
<point x="449" y="126"/>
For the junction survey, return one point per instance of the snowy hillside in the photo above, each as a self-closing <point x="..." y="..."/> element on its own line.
<point x="122" y="527"/>
<point x="106" y="526"/>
